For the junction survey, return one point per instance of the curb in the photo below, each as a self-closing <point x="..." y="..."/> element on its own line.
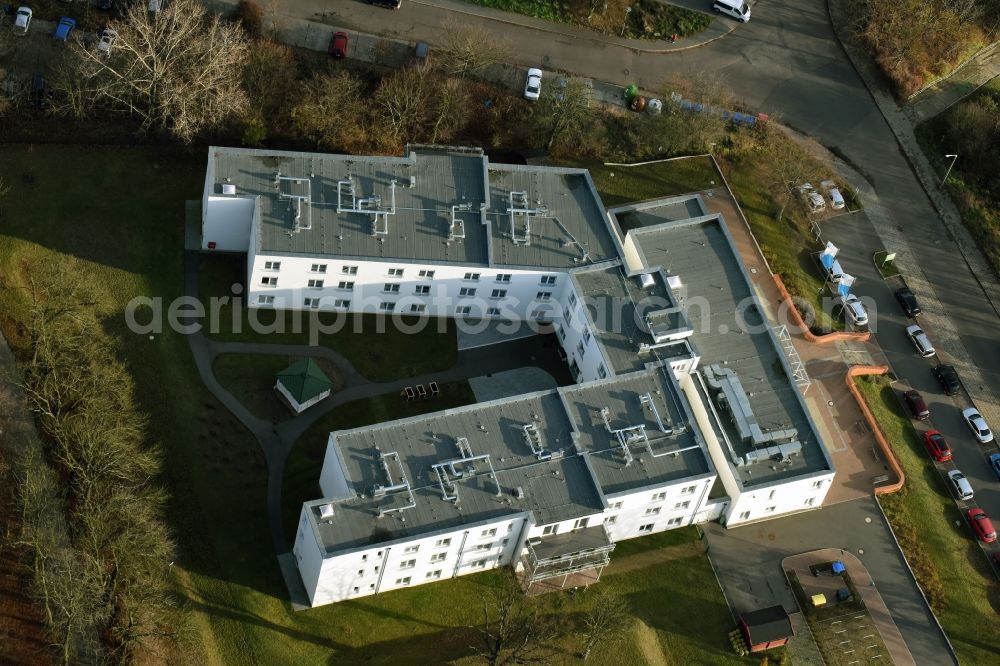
<point x="597" y="37"/>
<point x="866" y="370"/>
<point x="837" y="336"/>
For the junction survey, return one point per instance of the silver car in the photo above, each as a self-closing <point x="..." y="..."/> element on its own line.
<point x="22" y="20"/>
<point x="920" y="341"/>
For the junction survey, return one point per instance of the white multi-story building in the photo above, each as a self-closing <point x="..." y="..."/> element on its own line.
<point x="687" y="410"/>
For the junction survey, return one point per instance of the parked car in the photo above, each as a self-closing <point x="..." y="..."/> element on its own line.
<point x="338" y="45"/>
<point x="737" y="9"/>
<point x="855" y="311"/>
<point x="947" y="376"/>
<point x="918" y="408"/>
<point x="22" y="20"/>
<point x="937" y="446"/>
<point x="995" y="463"/>
<point x="107" y="40"/>
<point x="833" y="193"/>
<point x="533" y="84"/>
<point x="960" y="485"/>
<point x="64" y="28"/>
<point x="908" y="301"/>
<point x="977" y="424"/>
<point x="920" y="340"/>
<point x="813" y="198"/>
<point x="388" y="4"/>
<point x="981" y="525"/>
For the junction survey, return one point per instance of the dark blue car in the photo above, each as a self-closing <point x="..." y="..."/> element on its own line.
<point x="995" y="464"/>
<point x="65" y="26"/>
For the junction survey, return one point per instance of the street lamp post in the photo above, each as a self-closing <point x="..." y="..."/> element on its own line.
<point x="628" y="10"/>
<point x="953" y="158"/>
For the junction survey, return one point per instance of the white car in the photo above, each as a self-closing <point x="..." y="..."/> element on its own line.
<point x="920" y="341"/>
<point x="833" y="193"/>
<point x="107" y="40"/>
<point x="22" y="20"/>
<point x="813" y="198"/>
<point x="977" y="424"/>
<point x="855" y="311"/>
<point x="533" y="84"/>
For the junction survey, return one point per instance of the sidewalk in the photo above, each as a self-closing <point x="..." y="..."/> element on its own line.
<point x="935" y="99"/>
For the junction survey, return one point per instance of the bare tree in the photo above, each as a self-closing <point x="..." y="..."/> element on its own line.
<point x="608" y="621"/>
<point x="468" y="50"/>
<point x="565" y="108"/>
<point x="332" y="113"/>
<point x="176" y="70"/>
<point x="402" y="101"/>
<point x="510" y="633"/>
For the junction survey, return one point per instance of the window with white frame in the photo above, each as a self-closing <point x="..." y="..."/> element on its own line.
<point x="744" y="515"/>
<point x="646" y="529"/>
<point x="407" y="564"/>
<point x="493" y="312"/>
<point x="403" y="581"/>
<point x="611" y="520"/>
<point x="438" y="557"/>
<point x="543" y="295"/>
<point x="562" y="333"/>
<point x="810" y="501"/>
<point x="467" y="291"/>
<point x="503" y="277"/>
<point x="488" y="533"/>
<point x="396" y="272"/>
<point x="422" y="289"/>
<point x="675" y="521"/>
<point x="349" y="270"/>
<point x="426" y="274"/>
<point x="317" y="268"/>
<point x="568" y="314"/>
<point x="272" y="265"/>
<point x="659" y="497"/>
<point x="411" y="549"/>
<point x="617" y="505"/>
<point x="390" y="288"/>
<point x="602" y="372"/>
<point x="387" y="307"/>
<point x="269" y="282"/>
<point x="550" y="529"/>
<point x="418" y="307"/>
<point x="471" y="276"/>
<point x="315" y="284"/>
<point x="498" y="293"/>
<point x="586" y="335"/>
<point x="442" y="543"/>
<point x="771" y="496"/>
<point x="580" y="523"/>
<point x="265" y="300"/>
<point x="653" y="511"/>
<point x="687" y="490"/>
<point x="479" y="564"/>
<point x="463" y="309"/>
<point x="310" y="302"/>
<point x="572" y="299"/>
<point x="434" y="575"/>
<point x="484" y="546"/>
<point x="548" y="280"/>
<point x="355" y="590"/>
<point x="817" y="484"/>
<point x="682" y="505"/>
<point x="342" y="303"/>
<point x="539" y="313"/>
<point x="769" y="509"/>
<point x="580" y="349"/>
<point x="345" y="285"/>
<point x="361" y="572"/>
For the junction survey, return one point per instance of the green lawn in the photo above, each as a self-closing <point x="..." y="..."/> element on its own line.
<point x="377" y="349"/>
<point x="648" y="19"/>
<point x="620" y="185"/>
<point x="949" y="565"/>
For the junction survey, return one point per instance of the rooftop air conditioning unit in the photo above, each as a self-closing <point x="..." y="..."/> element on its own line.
<point x="646" y="281"/>
<point x="326" y="511"/>
<point x="229" y="189"/>
<point x="413" y="182"/>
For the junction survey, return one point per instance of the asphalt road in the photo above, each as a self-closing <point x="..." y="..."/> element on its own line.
<point x="748" y="561"/>
<point x="857" y="240"/>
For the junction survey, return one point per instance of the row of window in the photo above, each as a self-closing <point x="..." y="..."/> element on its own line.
<point x="420" y="289"/>
<point x="428" y="274"/>
<point x="389" y="306"/>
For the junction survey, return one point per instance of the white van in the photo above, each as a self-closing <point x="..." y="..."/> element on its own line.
<point x="737" y="9"/>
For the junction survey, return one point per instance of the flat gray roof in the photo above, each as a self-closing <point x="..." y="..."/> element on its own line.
<point x="556" y="489"/>
<point x="617" y="306"/>
<point x="568" y="227"/>
<point x="676" y="454"/>
<point x="701" y="253"/>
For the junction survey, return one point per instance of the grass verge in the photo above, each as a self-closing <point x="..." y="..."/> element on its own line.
<point x="647" y="19"/>
<point x="945" y="558"/>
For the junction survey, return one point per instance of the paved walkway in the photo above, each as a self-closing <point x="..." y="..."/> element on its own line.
<point x="865" y="584"/>
<point x="976" y="72"/>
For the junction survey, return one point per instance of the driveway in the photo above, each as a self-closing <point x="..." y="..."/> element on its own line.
<point x="748" y="563"/>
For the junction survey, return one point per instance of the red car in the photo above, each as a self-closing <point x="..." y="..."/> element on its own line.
<point x="338" y="46"/>
<point x="981" y="525"/>
<point x="937" y="446"/>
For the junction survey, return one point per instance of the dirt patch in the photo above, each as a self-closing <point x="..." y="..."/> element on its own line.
<point x="649" y="644"/>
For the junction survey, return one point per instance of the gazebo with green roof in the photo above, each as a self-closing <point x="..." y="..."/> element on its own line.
<point x="303" y="384"/>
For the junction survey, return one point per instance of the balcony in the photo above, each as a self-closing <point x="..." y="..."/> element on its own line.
<point x="573" y="559"/>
